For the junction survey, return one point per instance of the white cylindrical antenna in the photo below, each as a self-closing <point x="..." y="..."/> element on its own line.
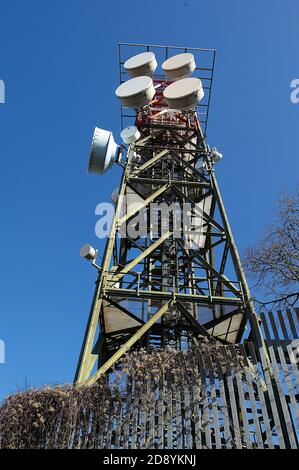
<point x="216" y="156"/>
<point x="179" y="66"/>
<point x="88" y="252"/>
<point x="141" y="64"/>
<point x="130" y="134"/>
<point x="136" y="93"/>
<point x="104" y="151"/>
<point x="184" y="94"/>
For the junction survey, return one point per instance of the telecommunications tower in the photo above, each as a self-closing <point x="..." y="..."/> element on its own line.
<point x="171" y="276"/>
<point x="171" y="270"/>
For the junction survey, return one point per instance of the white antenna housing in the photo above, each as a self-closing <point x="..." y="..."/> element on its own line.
<point x="136" y="93"/>
<point x="184" y="94"/>
<point x="141" y="64"/>
<point x="216" y="156"/>
<point x="88" y="252"/>
<point x="104" y="151"/>
<point x="179" y="66"/>
<point x="130" y="134"/>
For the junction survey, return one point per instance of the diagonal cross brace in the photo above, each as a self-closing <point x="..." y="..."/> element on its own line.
<point x="150" y="162"/>
<point x="115" y="277"/>
<point x="128" y="344"/>
<point x="209" y="267"/>
<point x="145" y="203"/>
<point x="200" y="328"/>
<point x="197" y="211"/>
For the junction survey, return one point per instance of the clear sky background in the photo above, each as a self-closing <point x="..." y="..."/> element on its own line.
<point x="59" y="62"/>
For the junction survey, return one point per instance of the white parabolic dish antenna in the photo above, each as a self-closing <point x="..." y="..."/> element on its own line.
<point x="104" y="151"/>
<point x="136" y="93"/>
<point x="179" y="66"/>
<point x="184" y="94"/>
<point x="141" y="64"/>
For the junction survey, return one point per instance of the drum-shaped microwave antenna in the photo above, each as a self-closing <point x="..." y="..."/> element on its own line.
<point x="104" y="151"/>
<point x="130" y="134"/>
<point x="141" y="64"/>
<point x="88" y="252"/>
<point x="184" y="94"/>
<point x="216" y="156"/>
<point x="179" y="66"/>
<point x="136" y="93"/>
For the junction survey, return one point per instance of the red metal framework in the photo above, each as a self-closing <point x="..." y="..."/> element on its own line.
<point x="205" y="60"/>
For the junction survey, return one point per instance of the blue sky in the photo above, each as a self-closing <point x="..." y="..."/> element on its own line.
<point x="59" y="64"/>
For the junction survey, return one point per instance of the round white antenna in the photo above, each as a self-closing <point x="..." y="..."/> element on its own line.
<point x="136" y="93"/>
<point x="130" y="134"/>
<point x="104" y="151"/>
<point x="179" y="66"/>
<point x="141" y="64"/>
<point x="216" y="156"/>
<point x="184" y="94"/>
<point x="88" y="252"/>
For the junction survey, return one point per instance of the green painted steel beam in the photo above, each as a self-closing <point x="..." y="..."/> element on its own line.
<point x="184" y="183"/>
<point x="146" y="202"/>
<point x="115" y="277"/>
<point x="125" y="347"/>
<point x="150" y="294"/>
<point x="209" y="267"/>
<point x="87" y="359"/>
<point x="150" y="162"/>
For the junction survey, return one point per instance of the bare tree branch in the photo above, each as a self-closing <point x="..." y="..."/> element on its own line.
<point x="295" y="296"/>
<point x="273" y="263"/>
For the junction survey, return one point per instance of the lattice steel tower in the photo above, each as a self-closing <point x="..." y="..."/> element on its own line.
<point x="166" y="276"/>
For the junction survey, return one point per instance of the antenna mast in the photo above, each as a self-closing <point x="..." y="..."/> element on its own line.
<point x="171" y="271"/>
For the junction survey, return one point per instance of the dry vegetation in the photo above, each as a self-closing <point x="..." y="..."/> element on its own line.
<point x="69" y="417"/>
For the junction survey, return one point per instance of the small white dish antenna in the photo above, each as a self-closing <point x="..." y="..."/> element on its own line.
<point x="130" y="134"/>
<point x="104" y="151"/>
<point x="216" y="156"/>
<point x="179" y="66"/>
<point x="184" y="94"/>
<point x="141" y="64"/>
<point x="136" y="93"/>
<point x="114" y="195"/>
<point x="88" y="252"/>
